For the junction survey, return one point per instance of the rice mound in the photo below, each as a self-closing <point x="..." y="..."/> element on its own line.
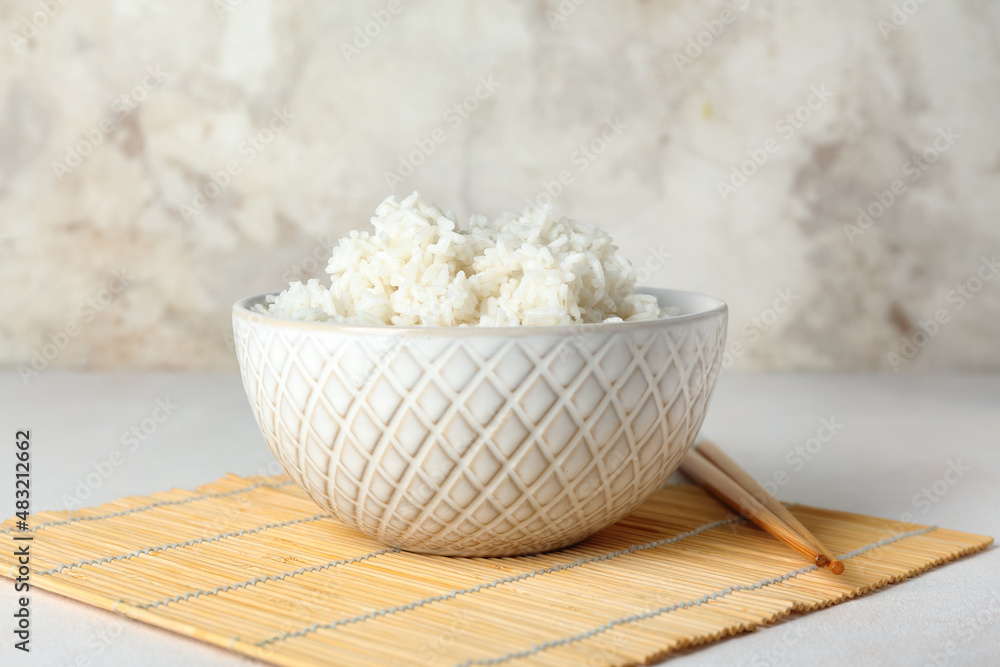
<point x="420" y="269"/>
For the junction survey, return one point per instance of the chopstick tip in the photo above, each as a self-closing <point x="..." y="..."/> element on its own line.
<point x="836" y="567"/>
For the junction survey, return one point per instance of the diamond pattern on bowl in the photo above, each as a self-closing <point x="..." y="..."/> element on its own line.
<point x="479" y="444"/>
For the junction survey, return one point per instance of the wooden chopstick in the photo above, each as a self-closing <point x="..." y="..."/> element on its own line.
<point x="750" y="502"/>
<point x="722" y="461"/>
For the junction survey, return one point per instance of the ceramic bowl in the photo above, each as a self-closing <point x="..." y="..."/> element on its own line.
<point x="481" y="441"/>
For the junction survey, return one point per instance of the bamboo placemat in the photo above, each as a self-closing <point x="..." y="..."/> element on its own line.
<point x="251" y="565"/>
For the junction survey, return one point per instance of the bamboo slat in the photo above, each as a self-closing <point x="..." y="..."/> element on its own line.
<point x="252" y="565"/>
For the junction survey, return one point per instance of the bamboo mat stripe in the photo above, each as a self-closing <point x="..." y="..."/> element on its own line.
<point x="270" y="577"/>
<point x="498" y="582"/>
<point x="181" y="545"/>
<point x="248" y="564"/>
<point x="379" y="552"/>
<point x="535" y="650"/>
<point x="145" y="508"/>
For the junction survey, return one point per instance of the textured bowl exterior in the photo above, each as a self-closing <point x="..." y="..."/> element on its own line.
<point x="480" y="442"/>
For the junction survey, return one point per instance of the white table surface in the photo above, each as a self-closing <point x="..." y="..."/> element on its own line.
<point x="898" y="436"/>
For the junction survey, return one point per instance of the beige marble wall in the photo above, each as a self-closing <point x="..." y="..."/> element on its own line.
<point x="160" y="160"/>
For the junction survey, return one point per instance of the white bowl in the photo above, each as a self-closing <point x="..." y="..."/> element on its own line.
<point x="481" y="441"/>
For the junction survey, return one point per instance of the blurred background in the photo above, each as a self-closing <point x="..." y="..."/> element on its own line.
<point x="832" y="171"/>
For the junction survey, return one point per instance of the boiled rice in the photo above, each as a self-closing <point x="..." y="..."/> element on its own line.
<point x="420" y="269"/>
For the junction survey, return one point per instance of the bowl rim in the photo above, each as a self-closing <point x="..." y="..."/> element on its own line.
<point x="715" y="306"/>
